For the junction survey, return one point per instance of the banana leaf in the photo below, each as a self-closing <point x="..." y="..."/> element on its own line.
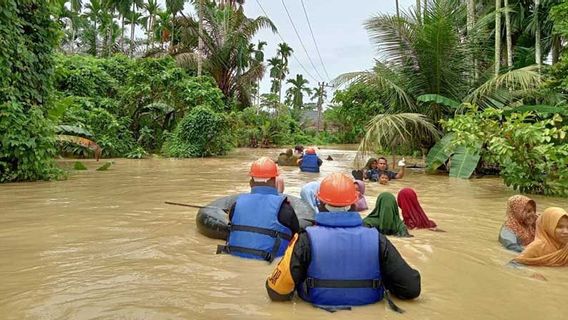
<point x="73" y="131"/>
<point x="463" y="162"/>
<point x="438" y="154"/>
<point x="436" y="98"/>
<point x="84" y="142"/>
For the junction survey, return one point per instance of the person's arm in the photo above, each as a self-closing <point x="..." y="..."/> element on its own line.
<point x="509" y="240"/>
<point x="398" y="277"/>
<point x="402" y="166"/>
<point x="287" y="217"/>
<point x="232" y="211"/>
<point x="320" y="162"/>
<point x="291" y="270"/>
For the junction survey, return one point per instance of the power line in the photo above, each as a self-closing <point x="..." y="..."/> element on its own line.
<point x="314" y="38"/>
<point x="282" y="39"/>
<point x="300" y="38"/>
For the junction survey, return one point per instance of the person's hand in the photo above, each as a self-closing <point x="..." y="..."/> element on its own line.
<point x="402" y="163"/>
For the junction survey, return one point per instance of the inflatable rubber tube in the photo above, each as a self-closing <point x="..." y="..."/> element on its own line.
<point x="213" y="222"/>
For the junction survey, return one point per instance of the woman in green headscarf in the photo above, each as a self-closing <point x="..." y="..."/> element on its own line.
<point x="385" y="217"/>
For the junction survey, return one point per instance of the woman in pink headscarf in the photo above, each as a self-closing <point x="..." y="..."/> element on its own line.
<point x="412" y="213"/>
<point x="361" y="204"/>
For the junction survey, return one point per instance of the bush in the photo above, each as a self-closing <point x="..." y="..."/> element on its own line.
<point x="201" y="133"/>
<point x="532" y="153"/>
<point x="28" y="36"/>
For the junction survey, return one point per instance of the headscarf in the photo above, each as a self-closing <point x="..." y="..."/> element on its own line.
<point x="308" y="194"/>
<point x="361" y="204"/>
<point x="545" y="250"/>
<point x="385" y="216"/>
<point x="412" y="213"/>
<point x="369" y="163"/>
<point x="516" y="218"/>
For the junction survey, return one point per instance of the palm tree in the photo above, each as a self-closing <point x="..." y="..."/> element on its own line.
<point x="537" y="44"/>
<point x="295" y="94"/>
<point x="284" y="51"/>
<point x="320" y="94"/>
<point x="424" y="62"/>
<point x="134" y="18"/>
<point x="162" y="26"/>
<point x="508" y="35"/>
<point x="226" y="36"/>
<point x="275" y="73"/>
<point x="94" y="8"/>
<point x="76" y="6"/>
<point x="175" y="7"/>
<point x="497" y="36"/>
<point x="152" y="7"/>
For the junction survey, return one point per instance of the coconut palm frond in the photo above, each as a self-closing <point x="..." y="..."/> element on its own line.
<point x="402" y="128"/>
<point x="501" y="86"/>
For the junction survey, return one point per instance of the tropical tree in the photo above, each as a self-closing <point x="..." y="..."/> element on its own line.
<point x="175" y="7"/>
<point x="295" y="94"/>
<point x="226" y="36"/>
<point x="423" y="69"/>
<point x="152" y="7"/>
<point x="284" y="52"/>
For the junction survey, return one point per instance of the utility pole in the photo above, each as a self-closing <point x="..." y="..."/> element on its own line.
<point x="319" y="104"/>
<point x="200" y="41"/>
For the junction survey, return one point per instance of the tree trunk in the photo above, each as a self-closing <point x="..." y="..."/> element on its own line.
<point x="537" y="49"/>
<point x="469" y="27"/>
<point x="122" y="35"/>
<point x="556" y="47"/>
<point x="132" y="27"/>
<point x="497" y="36"/>
<point x="508" y="35"/>
<point x="172" y="35"/>
<point x="95" y="35"/>
<point x="397" y="10"/>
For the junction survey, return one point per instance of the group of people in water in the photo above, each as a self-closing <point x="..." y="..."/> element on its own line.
<point x="343" y="260"/>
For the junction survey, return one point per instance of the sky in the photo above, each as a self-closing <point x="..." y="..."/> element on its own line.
<point x="338" y="30"/>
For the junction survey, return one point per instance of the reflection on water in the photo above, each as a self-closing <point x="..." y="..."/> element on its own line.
<point x="104" y="245"/>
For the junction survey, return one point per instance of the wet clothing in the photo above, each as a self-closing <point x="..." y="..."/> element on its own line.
<point x="310" y="163"/>
<point x="546" y="250"/>
<point x="519" y="220"/>
<point x="296" y="265"/>
<point x="309" y="192"/>
<point x="385" y="217"/>
<point x="287" y="160"/>
<point x="375" y="174"/>
<point x="361" y="203"/>
<point x="261" y="225"/>
<point x="413" y="215"/>
<point x="509" y="240"/>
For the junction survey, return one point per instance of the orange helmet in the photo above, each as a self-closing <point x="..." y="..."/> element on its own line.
<point x="338" y="190"/>
<point x="263" y="168"/>
<point x="310" y="151"/>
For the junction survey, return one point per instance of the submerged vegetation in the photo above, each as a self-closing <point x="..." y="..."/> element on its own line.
<point x="452" y="80"/>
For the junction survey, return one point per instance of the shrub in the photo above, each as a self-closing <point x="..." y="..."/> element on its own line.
<point x="201" y="133"/>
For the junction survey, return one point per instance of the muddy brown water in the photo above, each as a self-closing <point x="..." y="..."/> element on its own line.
<point x="103" y="245"/>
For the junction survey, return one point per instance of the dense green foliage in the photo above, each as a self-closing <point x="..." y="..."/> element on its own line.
<point x="352" y="110"/>
<point x="27" y="37"/>
<point x="201" y="133"/>
<point x="531" y="150"/>
<point x="128" y="105"/>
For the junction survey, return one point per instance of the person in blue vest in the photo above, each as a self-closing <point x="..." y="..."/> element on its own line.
<point x="262" y="222"/>
<point x="310" y="162"/>
<point x="339" y="263"/>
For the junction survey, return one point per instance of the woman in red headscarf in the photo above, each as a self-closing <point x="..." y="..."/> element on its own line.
<point x="412" y="213"/>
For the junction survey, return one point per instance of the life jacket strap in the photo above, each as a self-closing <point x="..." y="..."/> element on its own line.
<point x="268" y="232"/>
<point x="265" y="255"/>
<point x="333" y="283"/>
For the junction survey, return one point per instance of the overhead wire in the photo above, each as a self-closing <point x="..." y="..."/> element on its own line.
<point x="282" y="39"/>
<point x="314" y="39"/>
<point x="300" y="38"/>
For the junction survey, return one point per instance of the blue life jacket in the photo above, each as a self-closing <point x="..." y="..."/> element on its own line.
<point x="344" y="268"/>
<point x="255" y="231"/>
<point x="310" y="163"/>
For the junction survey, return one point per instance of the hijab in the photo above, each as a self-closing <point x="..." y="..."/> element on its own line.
<point x="545" y="250"/>
<point x="309" y="193"/>
<point x="385" y="216"/>
<point x="412" y="213"/>
<point x="361" y="204"/>
<point x="516" y="217"/>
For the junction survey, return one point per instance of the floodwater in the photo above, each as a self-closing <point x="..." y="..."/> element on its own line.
<point x="103" y="245"/>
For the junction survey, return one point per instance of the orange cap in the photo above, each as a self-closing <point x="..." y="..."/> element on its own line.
<point x="338" y="190"/>
<point x="310" y="151"/>
<point x="263" y="168"/>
